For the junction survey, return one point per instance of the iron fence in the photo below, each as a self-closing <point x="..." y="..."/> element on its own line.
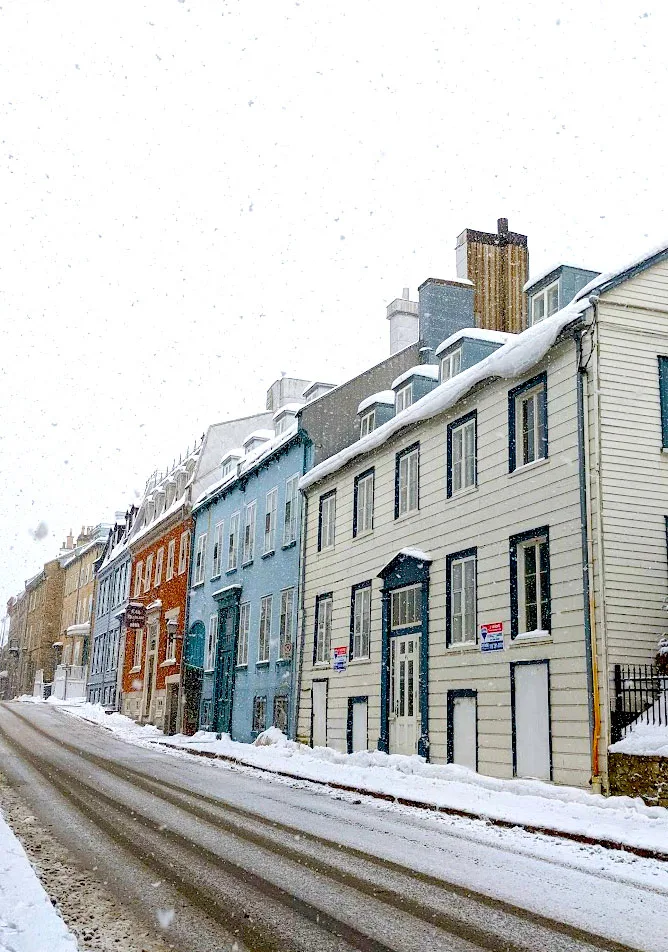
<point x="640" y="695"/>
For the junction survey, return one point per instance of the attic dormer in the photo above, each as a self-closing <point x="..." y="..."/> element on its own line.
<point x="181" y="476"/>
<point x="170" y="491"/>
<point x="230" y="461"/>
<point x="375" y="410"/>
<point x="414" y="384"/>
<point x="256" y="440"/>
<point x="554" y="289"/>
<point x="159" y="502"/>
<point x="286" y="417"/>
<point x="466" y="348"/>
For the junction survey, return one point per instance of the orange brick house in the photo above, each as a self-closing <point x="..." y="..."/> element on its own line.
<point x="160" y="547"/>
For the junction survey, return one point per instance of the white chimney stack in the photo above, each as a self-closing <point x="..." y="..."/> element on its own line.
<point x="402" y="314"/>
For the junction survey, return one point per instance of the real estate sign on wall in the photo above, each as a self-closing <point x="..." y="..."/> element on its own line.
<point x="491" y="636"/>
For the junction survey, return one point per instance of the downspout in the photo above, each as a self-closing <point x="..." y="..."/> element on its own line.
<point x="587" y="561"/>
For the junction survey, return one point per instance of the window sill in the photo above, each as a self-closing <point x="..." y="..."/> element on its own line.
<point x="529" y="467"/>
<point x="230" y="572"/>
<point x="355" y="661"/>
<point x="135" y="670"/>
<point x="245" y="565"/>
<point x="262" y="664"/>
<point x="268" y="555"/>
<point x="283" y="660"/>
<point x="363" y="535"/>
<point x="196" y="585"/>
<point x="168" y="662"/>
<point x="241" y="667"/>
<point x="468" y="491"/>
<point x="325" y="549"/>
<point x="531" y="638"/>
<point x="463" y="648"/>
<point x="322" y="665"/>
<point x="214" y="577"/>
<point x="289" y="545"/>
<point x="406" y="515"/>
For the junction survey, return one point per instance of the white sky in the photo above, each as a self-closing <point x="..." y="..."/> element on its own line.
<point x="197" y="196"/>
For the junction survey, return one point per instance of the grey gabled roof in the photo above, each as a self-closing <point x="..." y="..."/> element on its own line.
<point x="606" y="282"/>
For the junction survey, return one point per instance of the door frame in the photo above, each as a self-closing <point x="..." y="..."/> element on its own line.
<point x="320" y="681"/>
<point x="517" y="664"/>
<point x="349" y="720"/>
<point x="227" y="599"/>
<point x="459" y="692"/>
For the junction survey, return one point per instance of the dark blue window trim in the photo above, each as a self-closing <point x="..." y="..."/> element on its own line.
<point x="663" y="396"/>
<point x="473" y="415"/>
<point x="318" y="599"/>
<point x="453" y="557"/>
<point x="322" y="499"/>
<point x="461" y="692"/>
<point x="540" y="380"/>
<point x="398" y="458"/>
<point x="367" y="472"/>
<point x="353" y="592"/>
<point x="515" y="542"/>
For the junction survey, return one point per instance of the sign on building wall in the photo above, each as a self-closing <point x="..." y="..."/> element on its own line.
<point x="135" y="616"/>
<point x="491" y="636"/>
<point x="341" y="658"/>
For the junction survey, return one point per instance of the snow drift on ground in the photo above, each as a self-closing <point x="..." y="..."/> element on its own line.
<point x="28" y="921"/>
<point x="648" y="734"/>
<point x="524" y="802"/>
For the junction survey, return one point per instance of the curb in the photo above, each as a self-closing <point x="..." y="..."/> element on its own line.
<point x="581" y="838"/>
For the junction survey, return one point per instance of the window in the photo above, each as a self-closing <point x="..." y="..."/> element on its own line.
<point x="663" y="395"/>
<point x="139" y="574"/>
<point x="461" y="605"/>
<point x="148" y="574"/>
<point x="406" y="607"/>
<point x="158" y="566"/>
<point x="360" y="622"/>
<point x="139" y="639"/>
<point x="451" y="365"/>
<point x="404" y="397"/>
<point x="200" y="559"/>
<point x="171" y="548"/>
<point x="211" y="639"/>
<point x="327" y="520"/>
<point x="290" y="523"/>
<point x="363" y="503"/>
<point x="259" y="714"/>
<point x="244" y="628"/>
<point x="406" y="496"/>
<point x="249" y="533"/>
<point x="281" y="712"/>
<point x="183" y="552"/>
<point x="233" y="542"/>
<point x="462" y="452"/>
<point x="265" y="628"/>
<point x="270" y="521"/>
<point x="527" y="422"/>
<point x="323" y="629"/>
<point x="367" y="423"/>
<point x="217" y="550"/>
<point x="229" y="466"/>
<point x="286" y="625"/>
<point x="545" y="303"/>
<point x="170" y="646"/>
<point x="530" y="608"/>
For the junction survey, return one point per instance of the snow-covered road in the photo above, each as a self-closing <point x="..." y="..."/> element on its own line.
<point x="222" y="854"/>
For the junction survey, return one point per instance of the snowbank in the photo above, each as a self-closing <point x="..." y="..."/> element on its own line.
<point x="648" y="734"/>
<point x="28" y="921"/>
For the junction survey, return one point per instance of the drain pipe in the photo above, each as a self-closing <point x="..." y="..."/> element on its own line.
<point x="587" y="575"/>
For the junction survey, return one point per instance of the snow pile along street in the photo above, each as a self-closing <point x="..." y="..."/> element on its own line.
<point x="527" y="803"/>
<point x="28" y="921"/>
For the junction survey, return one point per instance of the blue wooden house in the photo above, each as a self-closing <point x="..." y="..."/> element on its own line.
<point x="242" y="605"/>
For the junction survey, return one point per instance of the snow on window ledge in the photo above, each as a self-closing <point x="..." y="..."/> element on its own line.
<point x="532" y="637"/>
<point x="529" y="466"/>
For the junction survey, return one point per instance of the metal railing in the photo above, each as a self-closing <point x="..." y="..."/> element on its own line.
<point x="640" y="695"/>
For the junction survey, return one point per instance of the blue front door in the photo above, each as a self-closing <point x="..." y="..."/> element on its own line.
<point x="224" y="686"/>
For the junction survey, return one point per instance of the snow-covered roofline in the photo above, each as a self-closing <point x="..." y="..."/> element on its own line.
<point x="430" y="371"/>
<point x="512" y="359"/>
<point x="604" y="282"/>
<point x="546" y="272"/>
<point x="386" y="397"/>
<point x="474" y="333"/>
<point x="287" y="408"/>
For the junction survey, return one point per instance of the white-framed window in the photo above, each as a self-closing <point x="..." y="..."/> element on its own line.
<point x="462" y="469"/>
<point x="211" y="640"/>
<point x="171" y="549"/>
<point x="323" y="629"/>
<point x="528" y="422"/>
<point x="406" y="607"/>
<point x="158" y="566"/>
<point x="327" y="520"/>
<point x="363" y="493"/>
<point x="367" y="423"/>
<point x="233" y="542"/>
<point x="545" y="303"/>
<point x="271" y="507"/>
<point x="244" y="629"/>
<point x="249" y="532"/>
<point x="139" y="644"/>
<point x="184" y="545"/>
<point x="217" y="550"/>
<point x="361" y="620"/>
<point x="281" y="712"/>
<point x="291" y="510"/>
<point x="170" y="644"/>
<point x="530" y="573"/>
<point x="139" y="578"/>
<point x="407" y="481"/>
<point x="451" y="365"/>
<point x="286" y="624"/>
<point x="148" y="572"/>
<point x="264" y="639"/>
<point x="404" y="398"/>
<point x="462" y="598"/>
<point x="259" y="714"/>
<point x="200" y="559"/>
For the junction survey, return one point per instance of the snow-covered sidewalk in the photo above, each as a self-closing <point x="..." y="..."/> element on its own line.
<point x="28" y="921"/>
<point x="531" y="804"/>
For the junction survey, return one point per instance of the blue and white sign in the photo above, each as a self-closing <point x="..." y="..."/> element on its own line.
<point x="491" y="636"/>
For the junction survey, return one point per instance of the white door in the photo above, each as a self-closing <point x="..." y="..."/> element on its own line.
<point x="404" y="694"/>
<point x="319" y="701"/>
<point x="360" y="725"/>
<point x="532" y="720"/>
<point x="464" y="738"/>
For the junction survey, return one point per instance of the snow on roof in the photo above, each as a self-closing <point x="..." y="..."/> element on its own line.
<point x="80" y="629"/>
<point x="475" y="333"/>
<point x="384" y="396"/>
<point x="287" y="408"/>
<point x="416" y="554"/>
<point x="235" y="453"/>
<point x="421" y="370"/>
<point x="512" y="359"/>
<point x="614" y="277"/>
<point x="534" y="279"/>
<point x="259" y="435"/>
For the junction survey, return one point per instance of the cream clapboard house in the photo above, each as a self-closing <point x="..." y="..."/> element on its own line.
<point x="473" y="568"/>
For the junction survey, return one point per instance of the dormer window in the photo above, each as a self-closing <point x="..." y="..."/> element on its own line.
<point x="159" y="503"/>
<point x="451" y="365"/>
<point x="367" y="423"/>
<point x="284" y="423"/>
<point x="180" y="484"/>
<point x="545" y="303"/>
<point x="170" y="491"/>
<point x="404" y="397"/>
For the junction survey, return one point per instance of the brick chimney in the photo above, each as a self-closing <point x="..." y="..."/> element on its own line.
<point x="498" y="266"/>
